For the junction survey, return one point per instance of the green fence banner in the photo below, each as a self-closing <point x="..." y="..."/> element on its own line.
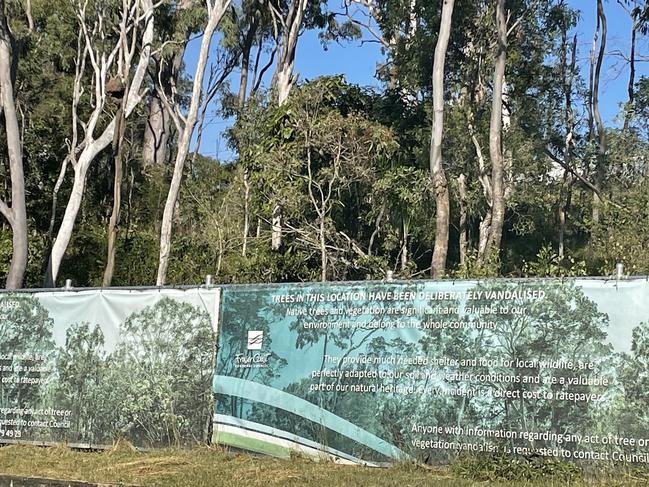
<point x="89" y="367"/>
<point x="377" y="372"/>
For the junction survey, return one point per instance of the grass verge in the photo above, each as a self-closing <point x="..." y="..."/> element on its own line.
<point x="209" y="467"/>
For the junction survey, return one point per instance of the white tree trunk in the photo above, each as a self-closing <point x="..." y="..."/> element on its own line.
<point x="74" y="203"/>
<point x="17" y="214"/>
<point x="158" y="125"/>
<point x="438" y="176"/>
<point x="216" y="11"/>
<point x="403" y="257"/>
<point x="483" y="235"/>
<point x="284" y="82"/>
<point x="276" y="228"/>
<point x="284" y="78"/>
<point x="495" y="135"/>
<point x="323" y="248"/>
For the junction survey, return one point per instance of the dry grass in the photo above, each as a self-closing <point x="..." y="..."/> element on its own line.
<point x="209" y="467"/>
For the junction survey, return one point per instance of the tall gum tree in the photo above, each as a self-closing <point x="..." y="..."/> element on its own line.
<point x="495" y="134"/>
<point x="496" y="188"/>
<point x="96" y="53"/>
<point x="600" y="158"/>
<point x="15" y="213"/>
<point x="185" y="126"/>
<point x="284" y="78"/>
<point x="438" y="176"/>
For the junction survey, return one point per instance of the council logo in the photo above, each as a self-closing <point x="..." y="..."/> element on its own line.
<point x="255" y="340"/>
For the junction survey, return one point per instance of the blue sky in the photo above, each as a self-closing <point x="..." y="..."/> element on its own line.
<point x="358" y="63"/>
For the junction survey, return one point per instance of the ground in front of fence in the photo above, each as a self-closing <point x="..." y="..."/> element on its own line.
<point x="207" y="467"/>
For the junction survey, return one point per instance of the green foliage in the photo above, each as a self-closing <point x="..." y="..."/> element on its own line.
<point x="622" y="234"/>
<point x="317" y="156"/>
<point x="475" y="268"/>
<point x="5" y="252"/>
<point x="82" y="368"/>
<point x="381" y="213"/>
<point x="160" y="376"/>
<point x="549" y="264"/>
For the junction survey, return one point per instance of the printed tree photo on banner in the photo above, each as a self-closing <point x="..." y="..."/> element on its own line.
<point x="381" y="372"/>
<point x="26" y="351"/>
<point x="161" y="375"/>
<point x="90" y="368"/>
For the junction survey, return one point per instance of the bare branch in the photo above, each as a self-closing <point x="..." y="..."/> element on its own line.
<point x="518" y="21"/>
<point x="55" y="194"/>
<point x="28" y="14"/>
<point x="263" y="71"/>
<point x="134" y="96"/>
<point x="581" y="178"/>
<point x="352" y="244"/>
<point x="170" y="107"/>
<point x="6" y="212"/>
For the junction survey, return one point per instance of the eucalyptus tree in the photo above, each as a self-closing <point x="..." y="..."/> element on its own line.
<point x="14" y="211"/>
<point x="638" y="25"/>
<point x="597" y="124"/>
<point x="289" y="21"/>
<point x="495" y="133"/>
<point x="317" y="156"/>
<point x="252" y="28"/>
<point x="438" y="265"/>
<point x="185" y="124"/>
<point x="117" y="69"/>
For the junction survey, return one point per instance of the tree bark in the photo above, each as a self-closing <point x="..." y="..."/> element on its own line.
<point x="284" y="77"/>
<point x="403" y="254"/>
<point x="495" y="135"/>
<point x="16" y="215"/>
<point x="55" y="199"/>
<point x="28" y="14"/>
<point x="157" y="131"/>
<point x="628" y="113"/>
<point x="323" y="248"/>
<point x="377" y="229"/>
<point x="600" y="163"/>
<point x="484" y="232"/>
<point x="246" y="211"/>
<point x="464" y="241"/>
<point x="283" y="80"/>
<point x="118" y="156"/>
<point x="438" y="176"/>
<point x="74" y="203"/>
<point x="216" y="11"/>
<point x="156" y="134"/>
<point x="485" y="181"/>
<point x="568" y="72"/>
<point x="564" y="208"/>
<point x="246" y="49"/>
<point x="243" y="81"/>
